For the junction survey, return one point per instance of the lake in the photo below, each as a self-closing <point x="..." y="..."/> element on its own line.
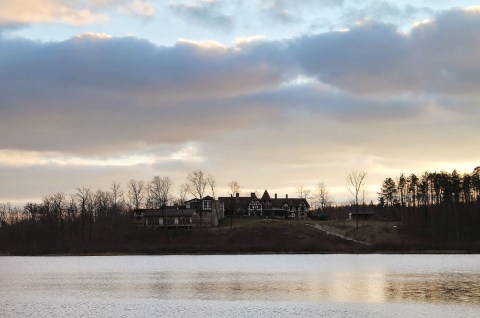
<point x="241" y="286"/>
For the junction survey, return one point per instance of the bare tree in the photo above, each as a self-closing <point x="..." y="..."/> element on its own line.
<point x="165" y="190"/>
<point x="197" y="182"/>
<point x="160" y="188"/>
<point x="182" y="194"/>
<point x="234" y="187"/>
<point x="58" y="203"/>
<point x="117" y="193"/>
<point x="10" y="214"/>
<point x="3" y="214"/>
<point x="136" y="193"/>
<point x="356" y="184"/>
<point x="303" y="192"/>
<point x="323" y="197"/>
<point x="72" y="211"/>
<point x="213" y="187"/>
<point x="13" y="215"/>
<point x="84" y="198"/>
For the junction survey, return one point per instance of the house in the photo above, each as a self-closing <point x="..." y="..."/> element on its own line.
<point x="177" y="217"/>
<point x="195" y="213"/>
<point x="208" y="211"/>
<point x="285" y="207"/>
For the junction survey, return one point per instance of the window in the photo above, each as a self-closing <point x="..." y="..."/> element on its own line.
<point x="207" y="205"/>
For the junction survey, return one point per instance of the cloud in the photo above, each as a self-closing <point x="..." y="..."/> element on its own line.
<point x="99" y="94"/>
<point x="94" y="93"/>
<point x="248" y="40"/>
<point x="377" y="59"/>
<point x="206" y="13"/>
<point x="139" y="8"/>
<point x="290" y="11"/>
<point x="384" y="11"/>
<point x="36" y="11"/>
<point x="74" y="12"/>
<point x="158" y="155"/>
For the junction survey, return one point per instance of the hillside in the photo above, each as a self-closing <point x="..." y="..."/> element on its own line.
<point x="254" y="235"/>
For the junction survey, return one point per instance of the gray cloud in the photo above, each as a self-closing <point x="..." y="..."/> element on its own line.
<point x="317" y="100"/>
<point x="382" y="10"/>
<point x="376" y="59"/>
<point x="290" y="11"/>
<point x="85" y="93"/>
<point x="205" y="13"/>
<point x="97" y="97"/>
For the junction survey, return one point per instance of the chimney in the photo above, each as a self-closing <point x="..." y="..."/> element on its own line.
<point x="237" y="194"/>
<point x="275" y="196"/>
<point x="252" y="194"/>
<point x="286" y="196"/>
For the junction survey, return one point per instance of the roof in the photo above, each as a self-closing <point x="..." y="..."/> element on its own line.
<point x="278" y="203"/>
<point x="238" y="202"/>
<point x="200" y="200"/>
<point x="243" y="202"/>
<point x="361" y="212"/>
<point x="169" y="212"/>
<point x="265" y="196"/>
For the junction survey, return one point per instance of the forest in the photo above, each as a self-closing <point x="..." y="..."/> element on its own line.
<point x="439" y="204"/>
<point x="87" y="219"/>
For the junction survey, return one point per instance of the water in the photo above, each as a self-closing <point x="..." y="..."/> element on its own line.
<point x="241" y="286"/>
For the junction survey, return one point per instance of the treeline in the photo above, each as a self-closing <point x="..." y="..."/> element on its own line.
<point x="89" y="219"/>
<point x="64" y="222"/>
<point x="440" y="204"/>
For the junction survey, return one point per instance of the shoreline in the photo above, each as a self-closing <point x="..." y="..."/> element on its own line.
<point x="254" y="238"/>
<point x="426" y="252"/>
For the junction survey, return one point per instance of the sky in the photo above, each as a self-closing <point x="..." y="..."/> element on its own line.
<point x="274" y="94"/>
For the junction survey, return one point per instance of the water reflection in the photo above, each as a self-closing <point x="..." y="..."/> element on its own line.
<point x="435" y="287"/>
<point x="285" y="286"/>
<point x="342" y="287"/>
<point x="160" y="281"/>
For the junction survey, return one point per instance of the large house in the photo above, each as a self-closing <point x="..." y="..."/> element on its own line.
<point x="295" y="208"/>
<point x="195" y="213"/>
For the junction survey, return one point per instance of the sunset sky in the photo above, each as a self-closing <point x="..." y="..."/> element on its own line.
<point x="275" y="94"/>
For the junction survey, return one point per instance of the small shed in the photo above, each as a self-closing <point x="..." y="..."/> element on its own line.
<point x="359" y="215"/>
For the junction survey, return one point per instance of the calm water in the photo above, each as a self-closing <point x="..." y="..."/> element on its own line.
<point x="241" y="286"/>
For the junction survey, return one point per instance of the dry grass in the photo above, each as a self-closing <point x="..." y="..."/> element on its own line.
<point x="374" y="232"/>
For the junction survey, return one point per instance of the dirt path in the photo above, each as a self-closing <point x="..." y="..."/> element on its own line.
<point x="318" y="227"/>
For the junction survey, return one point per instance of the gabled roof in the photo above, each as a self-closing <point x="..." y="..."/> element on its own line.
<point x="265" y="196"/>
<point x="199" y="200"/>
<point x="292" y="202"/>
<point x="238" y="202"/>
<point x="243" y="202"/>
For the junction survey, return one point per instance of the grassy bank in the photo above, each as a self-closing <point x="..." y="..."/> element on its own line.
<point x="254" y="235"/>
<point x="246" y="236"/>
<point x="390" y="237"/>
